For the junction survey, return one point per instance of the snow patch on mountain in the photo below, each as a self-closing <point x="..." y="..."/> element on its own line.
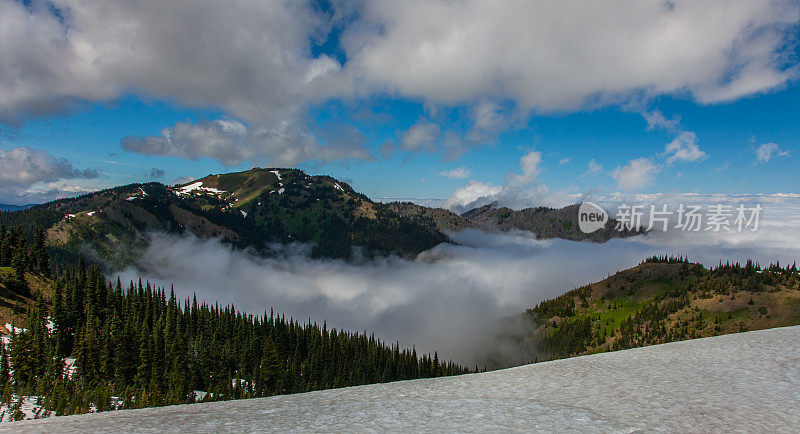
<point x="742" y="382"/>
<point x="198" y="187"/>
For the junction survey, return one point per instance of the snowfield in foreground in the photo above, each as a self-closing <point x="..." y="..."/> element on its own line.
<point x="746" y="381"/>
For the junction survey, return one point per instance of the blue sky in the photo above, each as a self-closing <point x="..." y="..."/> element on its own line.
<point x="374" y="95"/>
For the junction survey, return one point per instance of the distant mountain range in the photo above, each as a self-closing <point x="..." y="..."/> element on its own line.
<point x="253" y="208"/>
<point x="542" y="221"/>
<point x="4" y="207"/>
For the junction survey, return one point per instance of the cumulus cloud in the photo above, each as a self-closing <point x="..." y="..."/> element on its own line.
<point x="475" y="193"/>
<point x="656" y="120"/>
<point x="489" y="120"/>
<point x="641" y="172"/>
<point x="251" y="59"/>
<point x="47" y="192"/>
<point x="636" y="174"/>
<point x="767" y="151"/>
<point x="489" y="117"/>
<point x="30" y="175"/>
<point x="232" y="143"/>
<point x="457" y="173"/>
<point x="519" y="190"/>
<point x="547" y="57"/>
<point x="22" y="167"/>
<point x="448" y="298"/>
<point x="421" y="137"/>
<point x="684" y="149"/>
<point x="255" y="60"/>
<point x="529" y="163"/>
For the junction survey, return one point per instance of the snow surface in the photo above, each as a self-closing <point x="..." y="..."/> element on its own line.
<point x="746" y="381"/>
<point x="91" y="213"/>
<point x="15" y="330"/>
<point x="277" y="174"/>
<point x="198" y="186"/>
<point x="29" y="407"/>
<point x="69" y="366"/>
<point x="337" y="186"/>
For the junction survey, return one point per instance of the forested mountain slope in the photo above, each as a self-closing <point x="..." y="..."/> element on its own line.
<point x="247" y="209"/>
<point x="542" y="221"/>
<point x="662" y="300"/>
<point x="257" y="207"/>
<point x="73" y="342"/>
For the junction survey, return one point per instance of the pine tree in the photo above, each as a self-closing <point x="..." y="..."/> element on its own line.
<point x="269" y="371"/>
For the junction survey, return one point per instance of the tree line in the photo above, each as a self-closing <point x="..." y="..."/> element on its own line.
<point x="100" y="345"/>
<point x="571" y="329"/>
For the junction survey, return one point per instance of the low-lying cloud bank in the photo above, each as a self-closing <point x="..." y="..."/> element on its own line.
<point x="449" y="298"/>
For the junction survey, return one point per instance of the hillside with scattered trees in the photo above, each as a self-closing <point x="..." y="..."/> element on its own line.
<point x="666" y="299"/>
<point x="77" y="343"/>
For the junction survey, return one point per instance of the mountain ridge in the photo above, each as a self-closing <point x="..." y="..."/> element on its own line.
<point x="256" y="207"/>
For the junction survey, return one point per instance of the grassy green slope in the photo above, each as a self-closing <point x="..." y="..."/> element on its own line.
<point x="661" y="301"/>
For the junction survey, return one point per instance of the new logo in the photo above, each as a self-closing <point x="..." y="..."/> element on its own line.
<point x="591" y="217"/>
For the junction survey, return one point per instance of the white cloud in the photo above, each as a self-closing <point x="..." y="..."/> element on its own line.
<point x="529" y="163"/>
<point x="520" y="190"/>
<point x="448" y="298"/>
<point x="564" y="160"/>
<point x="48" y="191"/>
<point x="552" y="56"/>
<point x="250" y="58"/>
<point x="475" y="193"/>
<point x="488" y="117"/>
<point x="253" y="60"/>
<point x="231" y="142"/>
<point x="457" y="173"/>
<point x="421" y="137"/>
<point x="489" y="120"/>
<point x="594" y="168"/>
<point x="656" y="120"/>
<point x="637" y="174"/>
<point x="641" y="172"/>
<point x="684" y="148"/>
<point x="767" y="151"/>
<point x="23" y="167"/>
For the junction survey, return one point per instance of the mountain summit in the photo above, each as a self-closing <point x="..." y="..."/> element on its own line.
<point x="257" y="207"/>
<point x="248" y="209"/>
